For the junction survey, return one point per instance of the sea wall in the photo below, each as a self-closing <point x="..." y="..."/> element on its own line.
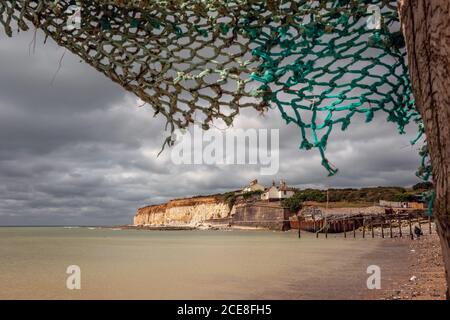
<point x="187" y="211"/>
<point x="262" y="215"/>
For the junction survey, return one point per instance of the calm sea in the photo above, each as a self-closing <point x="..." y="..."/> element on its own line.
<point x="132" y="264"/>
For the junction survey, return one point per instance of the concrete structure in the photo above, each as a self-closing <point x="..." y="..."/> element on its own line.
<point x="262" y="215"/>
<point x="277" y="193"/>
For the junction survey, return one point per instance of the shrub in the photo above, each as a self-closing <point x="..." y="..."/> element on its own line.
<point x="294" y="203"/>
<point x="313" y="195"/>
<point x="230" y="199"/>
<point x="402" y="197"/>
<point x="247" y="195"/>
<point x="423" y="186"/>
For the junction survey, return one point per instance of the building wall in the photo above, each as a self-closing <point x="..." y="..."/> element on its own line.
<point x="272" y="193"/>
<point x="285" y="194"/>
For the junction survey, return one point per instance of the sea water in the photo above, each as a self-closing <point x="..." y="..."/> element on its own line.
<point x="138" y="264"/>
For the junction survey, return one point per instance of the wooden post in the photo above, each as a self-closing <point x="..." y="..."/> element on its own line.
<point x="345" y="228"/>
<point x="320" y="227"/>
<point x="364" y="227"/>
<point x="371" y="226"/>
<point x="299" y="236"/>
<point x="410" y="227"/>
<point x="354" y="229"/>
<point x="429" y="223"/>
<point x="390" y="227"/>
<point x="400" y="227"/>
<point x="326" y="230"/>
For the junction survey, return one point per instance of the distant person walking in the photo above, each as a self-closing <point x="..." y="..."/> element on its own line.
<point x="418" y="232"/>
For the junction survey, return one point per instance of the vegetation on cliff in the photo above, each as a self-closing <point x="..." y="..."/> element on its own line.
<point x="294" y="203"/>
<point x="372" y="194"/>
<point x="355" y="196"/>
<point x="230" y="199"/>
<point x="252" y="194"/>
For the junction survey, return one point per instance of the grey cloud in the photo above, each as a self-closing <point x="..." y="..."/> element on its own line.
<point x="79" y="151"/>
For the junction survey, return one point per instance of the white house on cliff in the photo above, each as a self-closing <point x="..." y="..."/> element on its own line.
<point x="277" y="193"/>
<point x="274" y="193"/>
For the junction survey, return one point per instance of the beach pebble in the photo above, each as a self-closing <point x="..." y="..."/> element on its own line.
<point x="413" y="278"/>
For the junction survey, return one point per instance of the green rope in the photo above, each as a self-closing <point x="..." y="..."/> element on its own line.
<point x="324" y="67"/>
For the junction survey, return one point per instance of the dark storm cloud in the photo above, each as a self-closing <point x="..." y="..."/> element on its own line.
<point x="78" y="150"/>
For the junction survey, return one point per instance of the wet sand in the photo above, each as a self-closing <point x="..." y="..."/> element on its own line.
<point x="138" y="264"/>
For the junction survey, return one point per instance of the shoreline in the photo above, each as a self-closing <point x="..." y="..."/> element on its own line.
<point x="423" y="274"/>
<point x="426" y="278"/>
<point x="217" y="227"/>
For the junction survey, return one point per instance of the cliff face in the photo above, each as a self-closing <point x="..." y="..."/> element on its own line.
<point x="182" y="211"/>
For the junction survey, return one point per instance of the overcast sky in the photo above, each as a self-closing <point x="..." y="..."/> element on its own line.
<point x="80" y="150"/>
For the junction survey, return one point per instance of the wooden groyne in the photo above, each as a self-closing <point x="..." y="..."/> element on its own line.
<point x="391" y="224"/>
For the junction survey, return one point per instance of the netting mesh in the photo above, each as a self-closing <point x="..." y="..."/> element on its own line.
<point x="326" y="63"/>
<point x="195" y="61"/>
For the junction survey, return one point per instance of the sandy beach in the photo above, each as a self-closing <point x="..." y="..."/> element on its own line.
<point x="424" y="276"/>
<point x="421" y="273"/>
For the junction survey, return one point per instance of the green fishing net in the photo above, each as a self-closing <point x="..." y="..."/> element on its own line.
<point x="319" y="63"/>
